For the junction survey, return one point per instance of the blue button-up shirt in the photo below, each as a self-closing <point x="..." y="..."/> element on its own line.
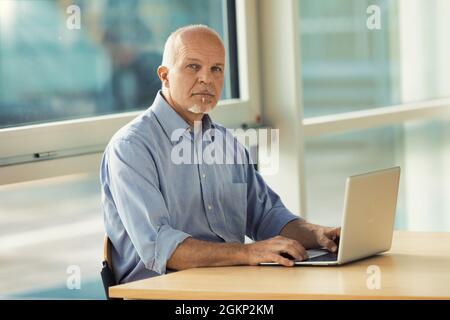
<point x="153" y="199"/>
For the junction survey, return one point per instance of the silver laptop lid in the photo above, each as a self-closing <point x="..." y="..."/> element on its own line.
<point x="369" y="214"/>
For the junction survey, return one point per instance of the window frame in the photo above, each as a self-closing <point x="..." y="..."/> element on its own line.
<point x="377" y="117"/>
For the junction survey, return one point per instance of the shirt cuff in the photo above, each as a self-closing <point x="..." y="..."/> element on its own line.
<point x="274" y="226"/>
<point x="167" y="240"/>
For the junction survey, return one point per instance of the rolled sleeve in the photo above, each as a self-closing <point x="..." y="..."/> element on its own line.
<point x="134" y="185"/>
<point x="166" y="242"/>
<point x="274" y="221"/>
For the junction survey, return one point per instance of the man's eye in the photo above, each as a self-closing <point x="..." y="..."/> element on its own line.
<point x="193" y="66"/>
<point x="216" y="69"/>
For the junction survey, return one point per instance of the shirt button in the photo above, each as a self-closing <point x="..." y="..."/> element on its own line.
<point x="209" y="207"/>
<point x="203" y="176"/>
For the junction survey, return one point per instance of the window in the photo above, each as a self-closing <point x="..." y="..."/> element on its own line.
<point x="346" y="66"/>
<point x="50" y="70"/>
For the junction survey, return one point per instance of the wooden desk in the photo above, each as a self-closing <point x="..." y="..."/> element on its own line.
<point x="416" y="267"/>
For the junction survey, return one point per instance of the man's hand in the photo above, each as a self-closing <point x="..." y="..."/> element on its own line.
<point x="325" y="237"/>
<point x="312" y="236"/>
<point x="271" y="250"/>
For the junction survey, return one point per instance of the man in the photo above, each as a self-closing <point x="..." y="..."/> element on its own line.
<point x="162" y="215"/>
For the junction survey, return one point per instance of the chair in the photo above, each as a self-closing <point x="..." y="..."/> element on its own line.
<point x="107" y="272"/>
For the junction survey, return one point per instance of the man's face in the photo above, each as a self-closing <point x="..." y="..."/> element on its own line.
<point x="195" y="80"/>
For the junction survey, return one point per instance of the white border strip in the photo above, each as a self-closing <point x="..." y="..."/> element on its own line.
<point x="378" y="117"/>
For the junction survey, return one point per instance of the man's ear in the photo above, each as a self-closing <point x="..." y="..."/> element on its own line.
<point x="163" y="74"/>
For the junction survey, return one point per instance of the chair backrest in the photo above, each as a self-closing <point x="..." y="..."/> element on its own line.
<point x="107" y="272"/>
<point x="107" y="252"/>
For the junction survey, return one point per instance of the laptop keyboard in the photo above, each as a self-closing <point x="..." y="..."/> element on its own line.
<point x="330" y="256"/>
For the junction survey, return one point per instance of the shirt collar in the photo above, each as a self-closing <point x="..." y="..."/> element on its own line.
<point x="170" y="120"/>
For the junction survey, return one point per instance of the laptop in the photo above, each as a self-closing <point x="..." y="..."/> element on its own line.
<point x="368" y="220"/>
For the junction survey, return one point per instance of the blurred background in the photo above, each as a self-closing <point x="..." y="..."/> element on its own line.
<point x="50" y="73"/>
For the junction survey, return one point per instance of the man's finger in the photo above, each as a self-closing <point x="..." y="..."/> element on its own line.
<point x="333" y="233"/>
<point x="283" y="261"/>
<point x="327" y="243"/>
<point x="293" y="252"/>
<point x="299" y="249"/>
<point x="292" y="247"/>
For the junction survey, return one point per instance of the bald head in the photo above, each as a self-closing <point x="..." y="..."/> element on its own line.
<point x="182" y="36"/>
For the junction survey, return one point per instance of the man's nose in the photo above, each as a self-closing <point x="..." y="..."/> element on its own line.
<point x="205" y="76"/>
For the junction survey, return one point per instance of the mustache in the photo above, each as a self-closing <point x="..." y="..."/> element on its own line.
<point x="212" y="94"/>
